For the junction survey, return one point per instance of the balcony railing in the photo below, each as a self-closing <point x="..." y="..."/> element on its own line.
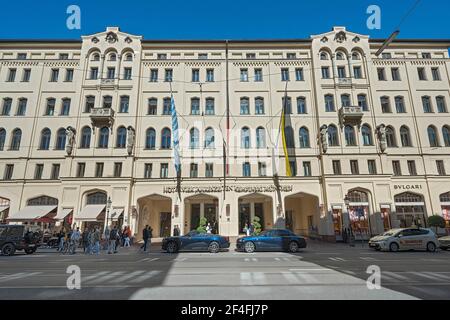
<point x="102" y="116"/>
<point x="351" y="115"/>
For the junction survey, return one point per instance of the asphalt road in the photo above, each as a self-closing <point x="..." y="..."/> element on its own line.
<point x="322" y="271"/>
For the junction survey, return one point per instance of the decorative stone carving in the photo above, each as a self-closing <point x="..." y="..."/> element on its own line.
<point x="111" y="37"/>
<point x="95" y="40"/>
<point x="340" y="37"/>
<point x="324" y="138"/>
<point x="356" y="39"/>
<point x="70" y="134"/>
<point x="131" y="138"/>
<point x="324" y="39"/>
<point x="128" y="40"/>
<point x="381" y="134"/>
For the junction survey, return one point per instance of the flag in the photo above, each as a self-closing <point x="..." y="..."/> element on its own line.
<point x="285" y="123"/>
<point x="176" y="143"/>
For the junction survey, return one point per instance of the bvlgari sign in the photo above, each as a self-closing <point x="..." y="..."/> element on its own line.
<point x="218" y="189"/>
<point x="407" y="187"/>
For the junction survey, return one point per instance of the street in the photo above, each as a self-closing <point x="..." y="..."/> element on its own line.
<point x="322" y="271"/>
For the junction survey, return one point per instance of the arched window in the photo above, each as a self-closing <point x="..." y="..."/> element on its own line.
<point x="329" y="103"/>
<point x="333" y="139"/>
<point x="367" y="135"/>
<point x="96" y="198"/>
<point x="194" y="138"/>
<point x="356" y="56"/>
<point x="446" y="135"/>
<point x="260" y="138"/>
<point x="245" y="138"/>
<point x="95" y="56"/>
<point x="85" y="138"/>
<point x="129" y="57"/>
<point x="304" y="138"/>
<point x="245" y="106"/>
<point x="289" y="133"/>
<point x="345" y="100"/>
<point x="358" y="196"/>
<point x="209" y="106"/>
<point x="121" y="141"/>
<point x="45" y="139"/>
<point x="301" y="105"/>
<point x="112" y="57"/>
<point x="350" y="138"/>
<point x="259" y="105"/>
<point x="150" y="138"/>
<point x="103" y="138"/>
<point x="340" y="56"/>
<point x="209" y="138"/>
<point x="445" y="197"/>
<point x="433" y="137"/>
<point x="385" y="105"/>
<point x="195" y="106"/>
<point x="405" y="136"/>
<point x="2" y="138"/>
<point x="323" y="55"/>
<point x="362" y="102"/>
<point x="61" y="139"/>
<point x="42" y="201"/>
<point x="16" y="138"/>
<point x="166" y="138"/>
<point x="391" y="141"/>
<point x="400" y="104"/>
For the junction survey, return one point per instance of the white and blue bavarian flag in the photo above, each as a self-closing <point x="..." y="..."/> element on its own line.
<point x="175" y="137"/>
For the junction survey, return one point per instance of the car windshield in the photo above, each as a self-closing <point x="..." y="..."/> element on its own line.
<point x="264" y="233"/>
<point x="389" y="233"/>
<point x="192" y="234"/>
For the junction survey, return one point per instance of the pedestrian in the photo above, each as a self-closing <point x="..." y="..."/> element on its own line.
<point x="113" y="235"/>
<point x="85" y="239"/>
<point x="176" y="231"/>
<point x="127" y="235"/>
<point x="61" y="236"/>
<point x="145" y="236"/>
<point x="252" y="228"/>
<point x="344" y="235"/>
<point x="247" y="230"/>
<point x="75" y="239"/>
<point x="208" y="228"/>
<point x="95" y="241"/>
<point x="150" y="236"/>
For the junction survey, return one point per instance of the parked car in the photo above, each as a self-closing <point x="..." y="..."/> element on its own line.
<point x="196" y="241"/>
<point x="272" y="240"/>
<point x="16" y="237"/>
<point x="405" y="239"/>
<point x="444" y="243"/>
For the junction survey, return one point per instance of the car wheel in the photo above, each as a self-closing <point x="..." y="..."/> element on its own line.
<point x="431" y="247"/>
<point x="293" y="247"/>
<point x="30" y="251"/>
<point x="8" y="249"/>
<point x="172" y="247"/>
<point x="393" y="247"/>
<point x="249" y="247"/>
<point x="213" y="247"/>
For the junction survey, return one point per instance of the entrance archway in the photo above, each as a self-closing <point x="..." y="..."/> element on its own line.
<point x="410" y="209"/>
<point x="252" y="206"/>
<point x="359" y="213"/>
<point x="201" y="206"/>
<point x="4" y="209"/>
<point x="445" y="207"/>
<point x="155" y="211"/>
<point x="302" y="214"/>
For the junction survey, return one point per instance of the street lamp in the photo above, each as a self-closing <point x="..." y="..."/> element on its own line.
<point x="108" y="208"/>
<point x="347" y="204"/>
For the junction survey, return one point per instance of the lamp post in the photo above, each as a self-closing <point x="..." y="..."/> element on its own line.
<point x="347" y="204"/>
<point x="108" y="208"/>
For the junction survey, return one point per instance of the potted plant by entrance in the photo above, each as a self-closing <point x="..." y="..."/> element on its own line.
<point x="256" y="226"/>
<point x="202" y="225"/>
<point x="436" y="222"/>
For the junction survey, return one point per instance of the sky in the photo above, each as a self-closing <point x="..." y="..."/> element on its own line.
<point x="222" y="19"/>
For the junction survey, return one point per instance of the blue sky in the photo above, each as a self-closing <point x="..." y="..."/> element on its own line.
<point x="221" y="19"/>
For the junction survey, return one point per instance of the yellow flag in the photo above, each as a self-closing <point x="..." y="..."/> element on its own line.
<point x="283" y="137"/>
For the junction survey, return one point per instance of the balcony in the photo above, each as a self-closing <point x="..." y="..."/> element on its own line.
<point x="102" y="116"/>
<point x="351" y="115"/>
<point x="344" y="81"/>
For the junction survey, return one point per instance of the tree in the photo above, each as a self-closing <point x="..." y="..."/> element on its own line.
<point x="256" y="225"/>
<point x="436" y="221"/>
<point x="202" y="225"/>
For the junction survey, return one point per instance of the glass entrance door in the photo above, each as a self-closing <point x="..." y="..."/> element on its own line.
<point x="211" y="217"/>
<point x="165" y="223"/>
<point x="195" y="216"/>
<point x="244" y="217"/>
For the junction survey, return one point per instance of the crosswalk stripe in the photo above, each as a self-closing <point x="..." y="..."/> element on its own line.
<point x="127" y="276"/>
<point x="367" y="258"/>
<point x="393" y="276"/>
<point x="426" y="276"/>
<point x="286" y="259"/>
<point x="95" y="275"/>
<point x="154" y="259"/>
<point x="20" y="275"/>
<point x="146" y="276"/>
<point x="107" y="277"/>
<point x="438" y="275"/>
<point x="277" y="259"/>
<point x="290" y="277"/>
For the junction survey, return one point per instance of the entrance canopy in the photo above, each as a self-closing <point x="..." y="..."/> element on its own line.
<point x="63" y="214"/>
<point x="3" y="208"/>
<point x="116" y="213"/>
<point x="90" y="213"/>
<point x="32" y="213"/>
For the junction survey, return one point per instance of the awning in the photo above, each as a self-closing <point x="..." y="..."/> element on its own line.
<point x="63" y="214"/>
<point x="115" y="214"/>
<point x="32" y="213"/>
<point x="90" y="213"/>
<point x="3" y="208"/>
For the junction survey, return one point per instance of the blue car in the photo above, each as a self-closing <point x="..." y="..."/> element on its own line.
<point x="272" y="240"/>
<point x="196" y="241"/>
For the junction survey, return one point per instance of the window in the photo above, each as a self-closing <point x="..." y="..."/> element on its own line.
<point x="50" y="110"/>
<point x="152" y="107"/>
<point x="129" y="57"/>
<point x="209" y="170"/>
<point x="357" y="72"/>
<point x="244" y="75"/>
<point x="124" y="104"/>
<point x="11" y="75"/>
<point x="356" y="56"/>
<point x="112" y="57"/>
<point x="381" y="74"/>
<point x="161" y="56"/>
<point x="337" y="167"/>
<point x="341" y="72"/>
<point x="246" y="169"/>
<point x="195" y="106"/>
<point x="426" y="102"/>
<point x="245" y="106"/>
<point x="209" y="107"/>
<point x="372" y="166"/>
<point x="55" y="172"/>
<point x="65" y="109"/>
<point x="6" y="109"/>
<point x="329" y="103"/>
<point x="194" y="138"/>
<point x="433" y="137"/>
<point x="422" y="74"/>
<point x="260" y="138"/>
<point x="304" y="138"/>
<point x="262" y="169"/>
<point x="386" y="55"/>
<point x="21" y="56"/>
<point x="45" y="139"/>
<point x="202" y="56"/>
<point x="209" y="138"/>
<point x="63" y="56"/>
<point x="259" y="105"/>
<point x="209" y="75"/>
<point x="165" y="138"/>
<point x="250" y="56"/>
<point x="340" y="56"/>
<point x="38" y="170"/>
<point x="16" y="138"/>
<point x="167" y="102"/>
<point x="258" y="75"/>
<point x="85" y="138"/>
<point x="95" y="57"/>
<point x="107" y="102"/>
<point x="81" y="169"/>
<point x="301" y="105"/>
<point x="440" y="167"/>
<point x="325" y="73"/>
<point x="385" y="105"/>
<point x="90" y="104"/>
<point x="367" y="135"/>
<point x="362" y="102"/>
<point x="99" y="169"/>
<point x="405" y="137"/>
<point x="323" y="56"/>
<point x="9" y="169"/>
<point x="164" y="171"/>
<point x="354" y="167"/>
<point x="154" y="75"/>
<point x="284" y="74"/>
<point x="96" y="198"/>
<point x="111" y="73"/>
<point x="150" y="139"/>
<point x="333" y="140"/>
<point x="291" y="55"/>
<point x="245" y="138"/>
<point x="168" y="76"/>
<point x="69" y="75"/>
<point x="446" y="135"/>
<point x="395" y="74"/>
<point x="127" y="73"/>
<point x="195" y="75"/>
<point x="441" y="105"/>
<point x="391" y="141"/>
<point x="148" y="168"/>
<point x="307" y="169"/>
<point x="60" y="139"/>
<point x="293" y="166"/>
<point x="426" y="55"/>
<point x="121" y="141"/>
<point x="26" y="75"/>
<point x="350" y="138"/>
<point x="2" y="139"/>
<point x="345" y="100"/>
<point x="412" y="168"/>
<point x="436" y="74"/>
<point x="54" y="75"/>
<point x="400" y="105"/>
<point x="287" y="104"/>
<point x="299" y="74"/>
<point x="289" y="134"/>
<point x="117" y="169"/>
<point x="103" y="138"/>
<point x="193" y="172"/>
<point x="396" y="168"/>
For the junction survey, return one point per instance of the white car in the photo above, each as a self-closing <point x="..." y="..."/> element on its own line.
<point x="405" y="239"/>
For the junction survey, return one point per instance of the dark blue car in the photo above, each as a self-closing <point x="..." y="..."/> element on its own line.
<point x="195" y="241"/>
<point x="272" y="240"/>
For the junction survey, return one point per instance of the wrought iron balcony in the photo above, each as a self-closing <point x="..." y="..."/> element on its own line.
<point x="351" y="115"/>
<point x="102" y="116"/>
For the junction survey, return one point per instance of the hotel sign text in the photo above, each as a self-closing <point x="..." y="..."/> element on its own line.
<point x="237" y="189"/>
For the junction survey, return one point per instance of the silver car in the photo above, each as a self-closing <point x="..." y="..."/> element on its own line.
<point x="405" y="239"/>
<point x="444" y="243"/>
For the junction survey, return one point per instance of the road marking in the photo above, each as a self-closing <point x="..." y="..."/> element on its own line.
<point x="20" y="275"/>
<point x="310" y="269"/>
<point x="253" y="278"/>
<point x="337" y="259"/>
<point x="107" y="277"/>
<point x="286" y="259"/>
<point x="254" y="260"/>
<point x="437" y="275"/>
<point x="95" y="275"/>
<point x="431" y="276"/>
<point x="179" y="259"/>
<point x="367" y="258"/>
<point x="143" y="260"/>
<point x="146" y="276"/>
<point x="128" y="276"/>
<point x="393" y="276"/>
<point x="154" y="259"/>
<point x="277" y="259"/>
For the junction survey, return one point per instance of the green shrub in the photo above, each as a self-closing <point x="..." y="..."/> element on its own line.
<point x="436" y="222"/>
<point x="256" y="225"/>
<point x="202" y="225"/>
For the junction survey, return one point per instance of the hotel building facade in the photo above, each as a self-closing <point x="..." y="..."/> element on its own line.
<point x="86" y="133"/>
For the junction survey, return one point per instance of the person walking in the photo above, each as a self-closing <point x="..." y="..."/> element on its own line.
<point x="208" y="228"/>
<point x="113" y="240"/>
<point x="127" y="235"/>
<point x="252" y="229"/>
<point x="95" y="239"/>
<point x="150" y="236"/>
<point x="85" y="240"/>
<point x="75" y="239"/>
<point x="145" y="236"/>
<point x="61" y="236"/>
